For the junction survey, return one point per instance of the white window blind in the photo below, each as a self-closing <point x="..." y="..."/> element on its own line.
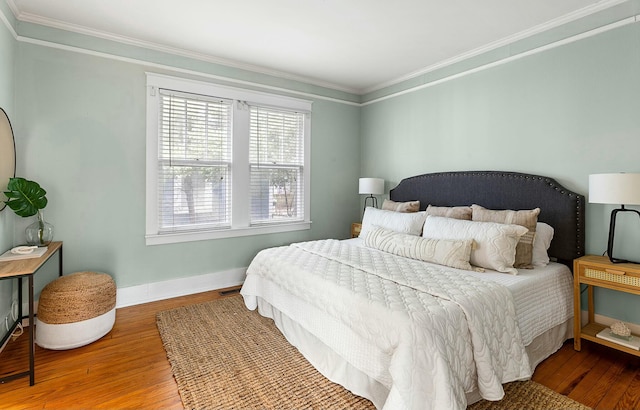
<point x="224" y="162"/>
<point x="276" y="157"/>
<point x="194" y="162"/>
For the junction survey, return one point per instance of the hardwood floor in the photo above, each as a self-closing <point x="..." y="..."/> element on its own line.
<point x="597" y="376"/>
<point x="128" y="368"/>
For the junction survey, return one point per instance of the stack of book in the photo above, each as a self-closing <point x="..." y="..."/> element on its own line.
<point x="632" y="342"/>
<point x="10" y="256"/>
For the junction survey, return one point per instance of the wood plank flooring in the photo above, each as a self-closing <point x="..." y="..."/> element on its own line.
<point x="128" y="368"/>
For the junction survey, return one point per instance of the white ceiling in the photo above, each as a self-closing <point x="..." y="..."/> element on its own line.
<point x="351" y="45"/>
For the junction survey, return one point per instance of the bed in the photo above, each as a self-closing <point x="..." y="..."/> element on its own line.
<point x="410" y="334"/>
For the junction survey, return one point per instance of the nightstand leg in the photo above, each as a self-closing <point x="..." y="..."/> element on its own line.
<point x="577" y="323"/>
<point x="576" y="316"/>
<point x="590" y="303"/>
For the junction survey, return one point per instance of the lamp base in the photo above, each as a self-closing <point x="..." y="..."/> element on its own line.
<point x="612" y="229"/>
<point x="374" y="202"/>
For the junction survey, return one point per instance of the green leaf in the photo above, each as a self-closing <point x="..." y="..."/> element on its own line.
<point x="25" y="197"/>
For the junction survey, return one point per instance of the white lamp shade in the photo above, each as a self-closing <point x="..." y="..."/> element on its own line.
<point x="620" y="188"/>
<point x="371" y="186"/>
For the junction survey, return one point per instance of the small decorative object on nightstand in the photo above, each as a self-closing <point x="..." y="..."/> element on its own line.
<point x="600" y="271"/>
<point x="355" y="229"/>
<point x="620" y="333"/>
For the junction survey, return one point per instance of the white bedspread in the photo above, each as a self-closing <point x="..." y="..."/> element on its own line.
<point x="432" y="321"/>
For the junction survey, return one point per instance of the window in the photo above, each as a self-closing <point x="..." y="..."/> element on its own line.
<point x="276" y="155"/>
<point x="224" y="162"/>
<point x="194" y="162"/>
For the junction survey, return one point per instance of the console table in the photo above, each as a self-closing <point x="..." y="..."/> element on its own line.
<point x="21" y="269"/>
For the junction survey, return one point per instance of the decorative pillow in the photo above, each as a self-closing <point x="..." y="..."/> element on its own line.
<point x="457" y="212"/>
<point x="495" y="243"/>
<point x="410" y="223"/>
<point x="448" y="252"/>
<point x="411" y="206"/>
<point x="541" y="243"/>
<point x="526" y="218"/>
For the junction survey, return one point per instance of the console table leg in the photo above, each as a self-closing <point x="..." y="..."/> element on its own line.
<point x="32" y="330"/>
<point x="60" y="261"/>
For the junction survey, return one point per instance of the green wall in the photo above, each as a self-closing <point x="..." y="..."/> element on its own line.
<point x="566" y="113"/>
<point x="7" y="53"/>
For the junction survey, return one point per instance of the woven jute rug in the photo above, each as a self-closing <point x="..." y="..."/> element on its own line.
<point x="224" y="356"/>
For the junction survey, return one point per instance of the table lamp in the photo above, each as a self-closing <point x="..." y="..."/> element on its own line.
<point x="371" y="187"/>
<point x="620" y="188"/>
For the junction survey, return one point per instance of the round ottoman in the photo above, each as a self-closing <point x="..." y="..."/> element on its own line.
<point x="75" y="310"/>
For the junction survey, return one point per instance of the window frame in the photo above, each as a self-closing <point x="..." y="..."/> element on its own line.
<point x="240" y="186"/>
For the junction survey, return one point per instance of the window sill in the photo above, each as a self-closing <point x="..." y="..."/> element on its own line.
<point x="155" y="239"/>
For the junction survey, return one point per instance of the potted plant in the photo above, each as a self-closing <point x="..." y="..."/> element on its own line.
<point x="27" y="198"/>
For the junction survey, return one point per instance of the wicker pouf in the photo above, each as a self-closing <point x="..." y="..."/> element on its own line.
<point x="75" y="310"/>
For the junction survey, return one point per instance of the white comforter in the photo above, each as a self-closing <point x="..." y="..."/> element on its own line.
<point x="432" y="321"/>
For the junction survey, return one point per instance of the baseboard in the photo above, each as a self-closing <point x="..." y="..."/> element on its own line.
<point x="151" y="292"/>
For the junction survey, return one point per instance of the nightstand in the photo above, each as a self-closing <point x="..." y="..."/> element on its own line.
<point x="355" y="229"/>
<point x="599" y="271"/>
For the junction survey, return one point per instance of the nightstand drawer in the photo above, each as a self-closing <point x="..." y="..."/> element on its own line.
<point x="599" y="271"/>
<point x="611" y="275"/>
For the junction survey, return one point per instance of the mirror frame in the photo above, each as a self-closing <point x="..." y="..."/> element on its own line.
<point x="7" y="155"/>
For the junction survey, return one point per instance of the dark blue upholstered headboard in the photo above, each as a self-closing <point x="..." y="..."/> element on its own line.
<point x="559" y="207"/>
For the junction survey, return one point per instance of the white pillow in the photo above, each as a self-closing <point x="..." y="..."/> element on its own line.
<point x="409" y="223"/>
<point x="447" y="252"/>
<point x="495" y="243"/>
<point x="541" y="243"/>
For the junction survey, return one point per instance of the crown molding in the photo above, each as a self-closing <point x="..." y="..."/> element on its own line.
<point x="78" y="29"/>
<point x="6" y="21"/>
<point x="568" y="40"/>
<point x="568" y="18"/>
<point x="174" y="69"/>
<point x="8" y="25"/>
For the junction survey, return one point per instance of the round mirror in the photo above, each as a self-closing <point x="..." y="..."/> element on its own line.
<point x="7" y="155"/>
